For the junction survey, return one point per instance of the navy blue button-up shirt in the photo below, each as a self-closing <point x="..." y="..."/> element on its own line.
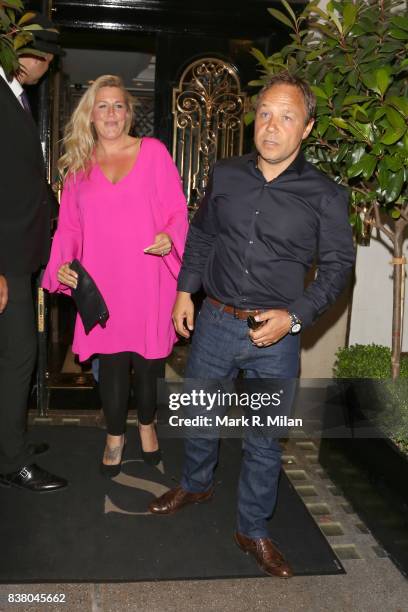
<point x="252" y="242"/>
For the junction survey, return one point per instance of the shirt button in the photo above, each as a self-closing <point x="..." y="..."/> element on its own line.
<point x="246" y="272"/>
<point x="244" y="300"/>
<point x="251" y="242"/>
<point x="257" y="212"/>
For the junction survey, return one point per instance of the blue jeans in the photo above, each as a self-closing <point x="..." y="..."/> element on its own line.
<point x="220" y="349"/>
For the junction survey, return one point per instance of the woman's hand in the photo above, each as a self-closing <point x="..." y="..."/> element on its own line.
<point x="161" y="246"/>
<point x="66" y="276"/>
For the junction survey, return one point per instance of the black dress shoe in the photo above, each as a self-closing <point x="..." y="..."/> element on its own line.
<point x="33" y="478"/>
<point x="38" y="449"/>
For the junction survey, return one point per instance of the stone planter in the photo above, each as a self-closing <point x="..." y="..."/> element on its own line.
<point x="370" y="470"/>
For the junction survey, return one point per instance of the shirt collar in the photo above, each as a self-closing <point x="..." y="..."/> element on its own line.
<point x="14" y="85"/>
<point x="297" y="165"/>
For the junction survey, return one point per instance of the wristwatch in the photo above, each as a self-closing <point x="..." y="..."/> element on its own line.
<point x="295" y="324"/>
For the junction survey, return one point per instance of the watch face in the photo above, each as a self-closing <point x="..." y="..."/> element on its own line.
<point x="296" y="328"/>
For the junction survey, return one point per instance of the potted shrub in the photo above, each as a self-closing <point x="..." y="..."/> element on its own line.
<point x="381" y="401"/>
<point x="371" y="465"/>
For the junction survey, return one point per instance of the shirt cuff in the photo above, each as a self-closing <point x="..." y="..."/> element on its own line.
<point x="304" y="310"/>
<point x="190" y="282"/>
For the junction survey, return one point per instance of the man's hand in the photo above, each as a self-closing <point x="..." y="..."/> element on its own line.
<point x="183" y="314"/>
<point x="277" y="325"/>
<point x="161" y="246"/>
<point x="3" y="293"/>
<point x="66" y="276"/>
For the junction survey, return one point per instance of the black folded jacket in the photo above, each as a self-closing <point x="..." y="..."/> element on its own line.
<point x="88" y="299"/>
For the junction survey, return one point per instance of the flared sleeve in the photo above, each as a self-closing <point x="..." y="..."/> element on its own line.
<point x="67" y="241"/>
<point x="173" y="207"/>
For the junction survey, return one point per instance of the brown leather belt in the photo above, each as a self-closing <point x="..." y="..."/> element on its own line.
<point x="238" y="313"/>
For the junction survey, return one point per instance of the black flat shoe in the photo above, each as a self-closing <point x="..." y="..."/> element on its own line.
<point x="110" y="471"/>
<point x="152" y="458"/>
<point x="33" y="478"/>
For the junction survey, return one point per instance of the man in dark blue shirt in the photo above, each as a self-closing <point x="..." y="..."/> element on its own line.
<point x="265" y="219"/>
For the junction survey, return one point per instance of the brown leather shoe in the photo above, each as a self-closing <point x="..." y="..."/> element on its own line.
<point x="172" y="501"/>
<point x="268" y="557"/>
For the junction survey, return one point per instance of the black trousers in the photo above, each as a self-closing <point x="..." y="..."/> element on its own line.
<point x="18" y="348"/>
<point x="114" y="385"/>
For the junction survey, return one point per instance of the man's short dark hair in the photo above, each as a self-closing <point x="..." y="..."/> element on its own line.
<point x="285" y="78"/>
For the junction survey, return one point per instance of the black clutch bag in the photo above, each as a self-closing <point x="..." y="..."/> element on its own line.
<point x="88" y="299"/>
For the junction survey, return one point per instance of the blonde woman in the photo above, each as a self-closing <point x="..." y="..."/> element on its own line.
<point x="123" y="215"/>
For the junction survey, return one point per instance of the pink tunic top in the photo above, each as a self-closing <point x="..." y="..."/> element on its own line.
<point x="106" y="226"/>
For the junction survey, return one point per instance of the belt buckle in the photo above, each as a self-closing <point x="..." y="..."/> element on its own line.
<point x="236" y="311"/>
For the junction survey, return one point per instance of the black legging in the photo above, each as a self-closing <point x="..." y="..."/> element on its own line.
<point x="114" y="388"/>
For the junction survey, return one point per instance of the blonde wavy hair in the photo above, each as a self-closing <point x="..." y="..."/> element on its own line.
<point x="80" y="136"/>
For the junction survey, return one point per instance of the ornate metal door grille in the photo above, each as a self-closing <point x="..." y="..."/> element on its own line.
<point x="208" y="109"/>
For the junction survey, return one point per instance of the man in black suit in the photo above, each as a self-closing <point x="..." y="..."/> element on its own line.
<point x="24" y="244"/>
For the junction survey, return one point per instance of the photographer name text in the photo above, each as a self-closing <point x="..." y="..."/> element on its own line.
<point x="242" y="421"/>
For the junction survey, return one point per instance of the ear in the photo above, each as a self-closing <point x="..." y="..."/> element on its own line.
<point x="308" y="129"/>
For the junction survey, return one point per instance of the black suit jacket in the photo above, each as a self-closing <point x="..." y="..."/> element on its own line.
<point x="24" y="201"/>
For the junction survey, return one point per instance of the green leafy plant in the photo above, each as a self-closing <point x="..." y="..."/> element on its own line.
<point x="366" y="361"/>
<point x="354" y="54"/>
<point x="15" y="36"/>
<point x="390" y="406"/>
